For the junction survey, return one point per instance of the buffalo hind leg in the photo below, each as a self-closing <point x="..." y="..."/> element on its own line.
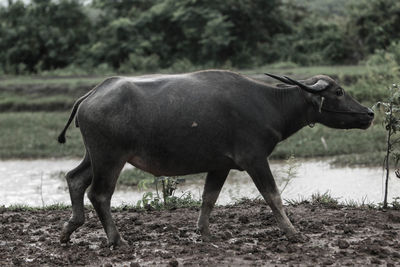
<point x="106" y="169"/>
<point x="214" y="182"/>
<point x="78" y="181"/>
<point x="261" y="174"/>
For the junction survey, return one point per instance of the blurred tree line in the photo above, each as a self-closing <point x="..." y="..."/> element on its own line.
<point x="146" y="35"/>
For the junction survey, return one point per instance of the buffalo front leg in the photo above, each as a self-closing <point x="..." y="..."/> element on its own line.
<point x="261" y="174"/>
<point x="214" y="182"/>
<point x="78" y="181"/>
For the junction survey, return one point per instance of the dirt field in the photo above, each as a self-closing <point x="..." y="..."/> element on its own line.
<point x="244" y="234"/>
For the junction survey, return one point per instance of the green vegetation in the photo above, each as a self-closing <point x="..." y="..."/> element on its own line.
<point x="74" y="37"/>
<point x="187" y="201"/>
<point x="133" y="177"/>
<point x="52" y="52"/>
<point x="43" y="81"/>
<point x="290" y="173"/>
<point x="19" y="208"/>
<point x="391" y="110"/>
<point x="322" y="141"/>
<point x="297" y="71"/>
<point x="325" y="199"/>
<point x="152" y="201"/>
<point x="54" y="94"/>
<point x="34" y="135"/>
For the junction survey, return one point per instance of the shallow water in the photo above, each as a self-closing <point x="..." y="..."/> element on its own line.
<point x="36" y="183"/>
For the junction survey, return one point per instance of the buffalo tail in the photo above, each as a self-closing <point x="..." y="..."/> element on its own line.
<point x="61" y="138"/>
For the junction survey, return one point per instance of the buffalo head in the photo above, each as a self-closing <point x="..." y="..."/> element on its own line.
<point x="333" y="107"/>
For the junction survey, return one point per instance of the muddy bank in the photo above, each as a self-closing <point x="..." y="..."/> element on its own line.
<point x="244" y="234"/>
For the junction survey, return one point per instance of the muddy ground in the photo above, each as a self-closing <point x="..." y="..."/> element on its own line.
<point x="244" y="234"/>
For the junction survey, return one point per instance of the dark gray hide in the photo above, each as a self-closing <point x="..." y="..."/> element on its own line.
<point x="208" y="121"/>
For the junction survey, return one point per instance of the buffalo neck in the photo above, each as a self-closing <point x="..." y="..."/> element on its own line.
<point x="294" y="111"/>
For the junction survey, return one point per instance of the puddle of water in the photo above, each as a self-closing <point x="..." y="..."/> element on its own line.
<point x="32" y="182"/>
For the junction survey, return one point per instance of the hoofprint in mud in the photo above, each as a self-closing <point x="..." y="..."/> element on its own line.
<point x="243" y="236"/>
<point x="208" y="121"/>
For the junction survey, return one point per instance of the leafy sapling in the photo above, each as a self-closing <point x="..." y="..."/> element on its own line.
<point x="391" y="109"/>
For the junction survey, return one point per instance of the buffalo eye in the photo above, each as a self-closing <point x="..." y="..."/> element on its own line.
<point x="339" y="92"/>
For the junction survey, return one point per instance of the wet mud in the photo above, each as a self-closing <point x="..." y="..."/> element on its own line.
<point x="244" y="234"/>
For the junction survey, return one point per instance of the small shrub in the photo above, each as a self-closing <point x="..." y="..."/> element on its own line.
<point x="396" y="203"/>
<point x="182" y="65"/>
<point x="167" y="199"/>
<point x="141" y="63"/>
<point x="391" y="109"/>
<point x="324" y="199"/>
<point x="290" y="173"/>
<point x="296" y="202"/>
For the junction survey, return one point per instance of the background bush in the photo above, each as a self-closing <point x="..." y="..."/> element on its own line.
<point x="147" y="35"/>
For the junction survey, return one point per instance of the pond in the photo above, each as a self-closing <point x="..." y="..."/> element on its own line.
<point x="38" y="183"/>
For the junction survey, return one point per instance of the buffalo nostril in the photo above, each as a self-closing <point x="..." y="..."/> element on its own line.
<point x="370" y="113"/>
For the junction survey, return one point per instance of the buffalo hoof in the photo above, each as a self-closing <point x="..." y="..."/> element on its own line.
<point x="203" y="231"/>
<point x="65" y="238"/>
<point x="206" y="235"/>
<point x="208" y="238"/>
<point x="120" y="243"/>
<point x="298" y="238"/>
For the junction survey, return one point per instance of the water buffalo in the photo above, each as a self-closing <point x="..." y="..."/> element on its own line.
<point x="208" y="121"/>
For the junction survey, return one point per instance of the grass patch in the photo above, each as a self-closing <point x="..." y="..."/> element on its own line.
<point x="324" y="199"/>
<point x="322" y="141"/>
<point x="290" y="68"/>
<point x="34" y="135"/>
<point x="23" y="207"/>
<point x="32" y="103"/>
<point x="34" y="93"/>
<point x="132" y="177"/>
<point x="69" y="82"/>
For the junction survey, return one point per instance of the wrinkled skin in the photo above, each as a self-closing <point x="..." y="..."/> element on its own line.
<point x="209" y="121"/>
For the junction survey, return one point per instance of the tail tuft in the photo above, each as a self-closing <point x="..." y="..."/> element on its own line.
<point x="61" y="138"/>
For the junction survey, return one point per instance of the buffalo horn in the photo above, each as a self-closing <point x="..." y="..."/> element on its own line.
<point x="319" y="86"/>
<point x="279" y="78"/>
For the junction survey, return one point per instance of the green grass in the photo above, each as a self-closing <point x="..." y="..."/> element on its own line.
<point x="322" y="141"/>
<point x="70" y="82"/>
<point x="13" y="102"/>
<point x="31" y="93"/>
<point x="132" y="177"/>
<point x="292" y="69"/>
<point x="325" y="199"/>
<point x="19" y="208"/>
<point x="279" y="68"/>
<point x="34" y="135"/>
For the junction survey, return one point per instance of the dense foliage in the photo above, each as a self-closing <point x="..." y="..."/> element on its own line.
<point x="145" y="35"/>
